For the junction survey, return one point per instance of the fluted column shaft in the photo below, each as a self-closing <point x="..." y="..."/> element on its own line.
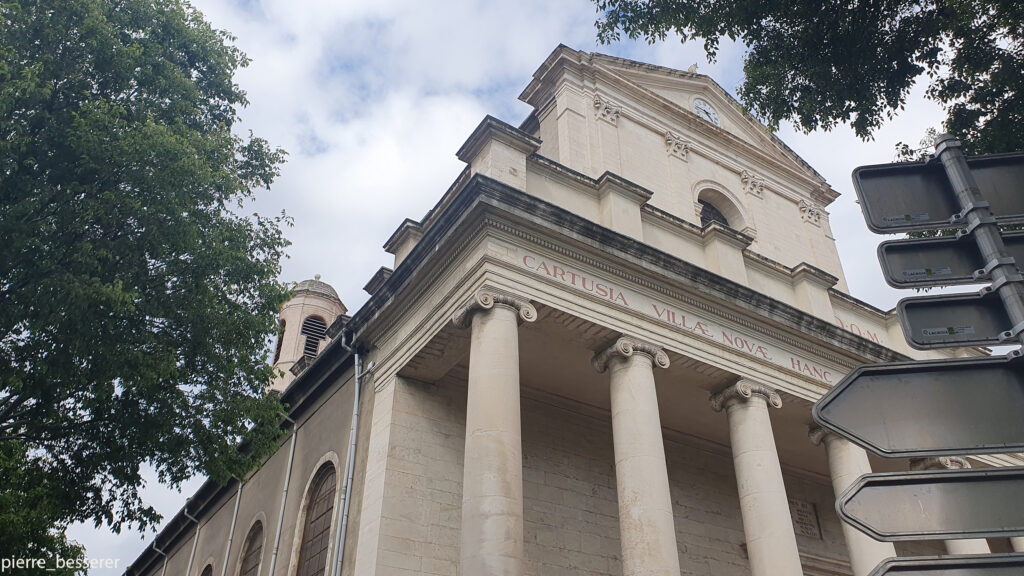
<point x="767" y="524"/>
<point x="646" y="527"/>
<point x="959" y="546"/>
<point x="492" y="480"/>
<point x="846" y="463"/>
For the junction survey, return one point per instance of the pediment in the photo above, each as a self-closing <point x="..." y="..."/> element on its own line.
<point x="683" y="89"/>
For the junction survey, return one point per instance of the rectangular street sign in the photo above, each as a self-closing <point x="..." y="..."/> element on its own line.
<point x="944" y="321"/>
<point x="965" y="565"/>
<point x="936" y="504"/>
<point x="942" y="261"/>
<point x="930" y="407"/>
<point x="918" y="195"/>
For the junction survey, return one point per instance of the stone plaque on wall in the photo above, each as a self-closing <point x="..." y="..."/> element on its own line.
<point x="805" y="518"/>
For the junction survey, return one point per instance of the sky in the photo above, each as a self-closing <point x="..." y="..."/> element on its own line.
<point x="371" y="99"/>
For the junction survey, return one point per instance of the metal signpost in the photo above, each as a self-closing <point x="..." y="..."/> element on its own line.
<point x="984" y="503"/>
<point x="942" y="407"/>
<point x="966" y="565"/>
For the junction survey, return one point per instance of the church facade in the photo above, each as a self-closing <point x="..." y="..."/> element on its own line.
<point x="596" y="355"/>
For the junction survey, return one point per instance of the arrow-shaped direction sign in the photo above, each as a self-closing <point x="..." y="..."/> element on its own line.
<point x="943" y="261"/>
<point x="936" y="504"/>
<point x="966" y="565"/>
<point x="945" y="321"/>
<point x="918" y="196"/>
<point x="930" y="408"/>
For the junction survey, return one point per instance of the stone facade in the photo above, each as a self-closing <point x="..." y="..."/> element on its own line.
<point x="595" y="356"/>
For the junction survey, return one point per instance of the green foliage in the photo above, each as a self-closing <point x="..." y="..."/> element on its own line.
<point x="819" y="63"/>
<point x="136" y="298"/>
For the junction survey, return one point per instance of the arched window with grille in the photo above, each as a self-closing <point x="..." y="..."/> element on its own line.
<point x="252" y="552"/>
<point x="316" y="529"/>
<point x="709" y="214"/>
<point x="208" y="570"/>
<point x="314" y="329"/>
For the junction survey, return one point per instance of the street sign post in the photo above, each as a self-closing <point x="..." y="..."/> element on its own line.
<point x="930" y="408"/>
<point x="917" y="196"/>
<point x="966" y="565"/>
<point x="929" y="505"/>
<point x="942" y="407"/>
<point x="954" y="320"/>
<point x="945" y="261"/>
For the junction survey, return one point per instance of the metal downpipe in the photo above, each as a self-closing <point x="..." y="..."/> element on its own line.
<point x="284" y="500"/>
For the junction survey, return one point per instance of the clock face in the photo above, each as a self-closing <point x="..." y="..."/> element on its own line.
<point x="705" y="111"/>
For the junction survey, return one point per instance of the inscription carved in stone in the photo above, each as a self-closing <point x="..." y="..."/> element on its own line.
<point x="805" y="518"/>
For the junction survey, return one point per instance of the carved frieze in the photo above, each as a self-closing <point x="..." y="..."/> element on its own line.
<point x="606" y="110"/>
<point x="810" y="213"/>
<point x="676" y="146"/>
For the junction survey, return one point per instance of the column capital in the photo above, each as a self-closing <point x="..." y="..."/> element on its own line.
<point x="485" y="298"/>
<point x="816" y="434"/>
<point x="939" y="463"/>
<point x="627" y="346"/>
<point x="742" y="391"/>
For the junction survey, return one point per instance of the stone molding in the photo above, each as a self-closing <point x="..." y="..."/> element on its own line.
<point x="625" y="347"/>
<point x="486" y="298"/>
<point x="676" y="146"/>
<point x="742" y="391"/>
<point x="752" y="183"/>
<point x="606" y="110"/>
<point x="939" y="463"/>
<point x="810" y="213"/>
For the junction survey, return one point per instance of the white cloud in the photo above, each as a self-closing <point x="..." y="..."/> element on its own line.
<point x="373" y="98"/>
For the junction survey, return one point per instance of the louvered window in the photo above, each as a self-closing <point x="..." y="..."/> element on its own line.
<point x="317" y="529"/>
<point x="315" y="330"/>
<point x="709" y="214"/>
<point x="253" y="551"/>
<point x="280" y="341"/>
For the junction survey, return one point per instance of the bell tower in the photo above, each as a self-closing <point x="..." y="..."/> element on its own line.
<point x="303" y="324"/>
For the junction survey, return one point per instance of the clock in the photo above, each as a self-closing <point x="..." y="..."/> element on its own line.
<point x="705" y="111"/>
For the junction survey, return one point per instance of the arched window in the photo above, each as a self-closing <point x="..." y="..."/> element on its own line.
<point x="314" y="329"/>
<point x="208" y="571"/>
<point x="253" y="551"/>
<point x="709" y="214"/>
<point x="316" y="530"/>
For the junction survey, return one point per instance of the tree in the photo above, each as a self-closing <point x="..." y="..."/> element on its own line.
<point x="822" y="63"/>
<point x="136" y="295"/>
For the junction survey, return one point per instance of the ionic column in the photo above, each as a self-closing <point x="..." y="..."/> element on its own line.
<point x="960" y="546"/>
<point x="646" y="527"/>
<point x="767" y="524"/>
<point x="492" y="478"/>
<point x="847" y="463"/>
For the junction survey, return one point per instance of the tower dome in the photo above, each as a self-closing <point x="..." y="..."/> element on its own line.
<point x="303" y="323"/>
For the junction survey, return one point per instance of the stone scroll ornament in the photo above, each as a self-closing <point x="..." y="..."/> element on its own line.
<point x="624" y="348"/>
<point x="485" y="299"/>
<point x="741" y="392"/>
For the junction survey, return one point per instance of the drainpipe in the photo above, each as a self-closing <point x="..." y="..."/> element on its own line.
<point x="284" y="497"/>
<point x="195" y="540"/>
<point x="231" y="533"/>
<point x="161" y="552"/>
<point x="350" y="464"/>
